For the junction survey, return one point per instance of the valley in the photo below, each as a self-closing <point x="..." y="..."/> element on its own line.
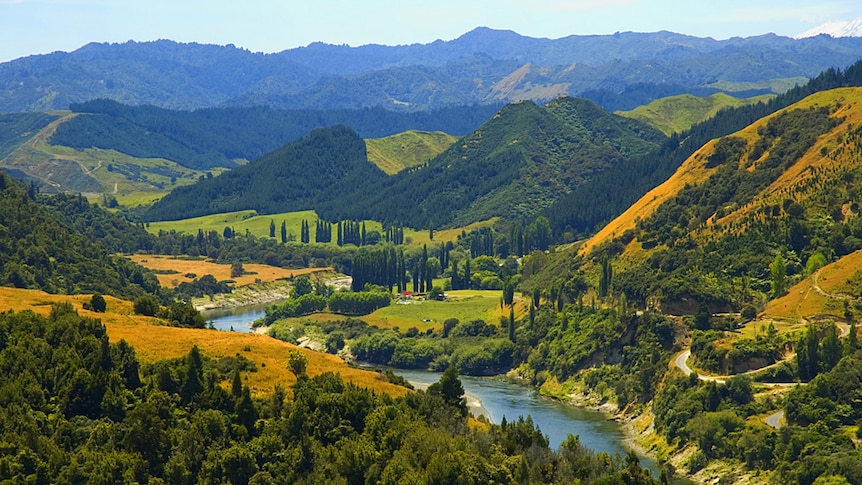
<point x="681" y="251"/>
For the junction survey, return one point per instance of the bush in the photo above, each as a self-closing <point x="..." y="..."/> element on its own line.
<point x="97" y="304"/>
<point x="147" y="305"/>
<point x="359" y="303"/>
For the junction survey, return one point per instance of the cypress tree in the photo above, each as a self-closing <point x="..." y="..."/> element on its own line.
<point x="512" y="324"/>
<point x="271" y="228"/>
<point x="283" y="232"/>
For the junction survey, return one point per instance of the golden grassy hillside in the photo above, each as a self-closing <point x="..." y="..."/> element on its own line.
<point x="825" y="159"/>
<point x="220" y="272"/>
<point x="818" y="294"/>
<point x="153" y="342"/>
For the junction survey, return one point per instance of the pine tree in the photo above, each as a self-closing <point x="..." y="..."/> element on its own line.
<point x="236" y="384"/>
<point x="778" y="270"/>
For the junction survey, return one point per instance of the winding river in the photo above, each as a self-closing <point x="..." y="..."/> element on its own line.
<point x="496" y="398"/>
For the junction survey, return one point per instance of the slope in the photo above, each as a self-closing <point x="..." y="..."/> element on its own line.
<point x="406" y="150"/>
<point x="780" y="190"/>
<point x="329" y="164"/>
<point x="209" y="138"/>
<point x="56" y="168"/>
<point x="519" y="162"/>
<point x="41" y="249"/>
<point x="676" y="114"/>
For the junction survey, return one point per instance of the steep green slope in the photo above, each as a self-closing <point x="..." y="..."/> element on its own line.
<point x="43" y="249"/>
<point x="406" y="150"/>
<point x="15" y="129"/>
<point x="329" y="164"/>
<point x="519" y="162"/>
<point x="676" y="114"/>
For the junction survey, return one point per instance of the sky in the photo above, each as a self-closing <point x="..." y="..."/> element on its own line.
<point x="42" y="26"/>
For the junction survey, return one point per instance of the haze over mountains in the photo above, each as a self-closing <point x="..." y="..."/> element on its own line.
<point x="481" y="66"/>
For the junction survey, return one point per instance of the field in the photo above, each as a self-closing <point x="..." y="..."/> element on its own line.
<point x="153" y="342"/>
<point x="676" y="114"/>
<point x="221" y="272"/>
<point x="465" y="305"/>
<point x="258" y="225"/>
<point x="406" y="150"/>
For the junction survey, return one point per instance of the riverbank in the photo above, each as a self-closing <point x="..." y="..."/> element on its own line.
<point x="248" y="295"/>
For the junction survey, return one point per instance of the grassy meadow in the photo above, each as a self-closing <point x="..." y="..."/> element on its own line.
<point x="401" y="151"/>
<point x="676" y="114"/>
<point x="465" y="305"/>
<point x="258" y="225"/>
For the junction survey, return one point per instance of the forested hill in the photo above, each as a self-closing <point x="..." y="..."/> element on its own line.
<point x="517" y="163"/>
<point x="588" y="208"/>
<point x="522" y="160"/>
<point x="328" y="164"/>
<point x="217" y="137"/>
<point x="481" y="66"/>
<point x="41" y="249"/>
<point x="776" y="197"/>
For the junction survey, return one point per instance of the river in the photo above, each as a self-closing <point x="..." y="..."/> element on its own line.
<point x="497" y="398"/>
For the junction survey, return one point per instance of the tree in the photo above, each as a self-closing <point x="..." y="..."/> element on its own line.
<point x="236" y="383"/>
<point x="301" y="286"/>
<point x="606" y="276"/>
<point x="450" y="389"/>
<point x="297" y="362"/>
<point x="830" y="349"/>
<point x="702" y="317"/>
<point x="193" y="382"/>
<point x="271" y="228"/>
<point x="512" y="324"/>
<point x="98" y="303"/>
<point x="147" y="305"/>
<point x="236" y="270"/>
<point x="778" y="270"/>
<point x="283" y="232"/>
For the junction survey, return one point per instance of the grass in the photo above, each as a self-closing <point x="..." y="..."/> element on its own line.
<point x="465" y="305"/>
<point x="779" y="85"/>
<point x="153" y="342"/>
<point x="254" y="223"/>
<point x="221" y="272"/>
<point x="676" y="114"/>
<point x="803" y="300"/>
<point x="406" y="150"/>
<point x="258" y="225"/>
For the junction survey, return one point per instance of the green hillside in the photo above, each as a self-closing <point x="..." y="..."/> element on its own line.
<point x="517" y="163"/>
<point x="42" y="247"/>
<point x="676" y="114"/>
<point x="91" y="171"/>
<point x="395" y="153"/>
<point x="329" y="164"/>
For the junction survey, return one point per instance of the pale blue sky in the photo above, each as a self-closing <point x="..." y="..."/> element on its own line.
<point x="42" y="26"/>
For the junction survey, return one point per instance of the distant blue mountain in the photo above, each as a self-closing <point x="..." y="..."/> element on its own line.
<point x="482" y="66"/>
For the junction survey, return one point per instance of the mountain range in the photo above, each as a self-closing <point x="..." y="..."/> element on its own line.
<point x="481" y="66"/>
